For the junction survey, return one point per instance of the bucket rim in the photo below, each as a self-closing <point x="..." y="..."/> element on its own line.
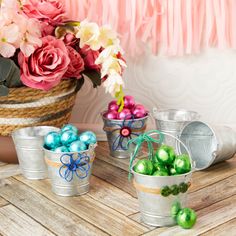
<point x="167" y="176"/>
<point x="15" y="133"/>
<point x="135" y="119"/>
<point x="155" y="111"/>
<point x="216" y="148"/>
<point x="91" y="148"/>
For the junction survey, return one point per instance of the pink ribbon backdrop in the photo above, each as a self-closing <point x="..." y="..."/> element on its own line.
<point x="177" y="27"/>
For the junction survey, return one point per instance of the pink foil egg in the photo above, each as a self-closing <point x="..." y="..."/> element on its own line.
<point x="139" y="111"/>
<point x="111" y="115"/>
<point x="124" y="114"/>
<point x="112" y="106"/>
<point x="129" y="102"/>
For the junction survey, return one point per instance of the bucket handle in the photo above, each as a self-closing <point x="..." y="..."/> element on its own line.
<point x="193" y="164"/>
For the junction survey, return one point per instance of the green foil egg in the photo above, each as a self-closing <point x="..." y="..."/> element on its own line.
<point x="176" y="207"/>
<point x="144" y="167"/>
<point x="160" y="173"/>
<point x="165" y="155"/>
<point x="182" y="164"/>
<point x="186" y="218"/>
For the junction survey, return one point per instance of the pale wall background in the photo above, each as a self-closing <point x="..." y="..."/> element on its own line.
<point x="205" y="83"/>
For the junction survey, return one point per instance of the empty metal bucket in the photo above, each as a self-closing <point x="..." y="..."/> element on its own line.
<point x="119" y="132"/>
<point x="208" y="144"/>
<point x="156" y="209"/>
<point x="70" y="172"/>
<point x="29" y="147"/>
<point x="172" y="121"/>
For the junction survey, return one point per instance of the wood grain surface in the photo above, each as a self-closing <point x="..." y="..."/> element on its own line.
<point x="28" y="207"/>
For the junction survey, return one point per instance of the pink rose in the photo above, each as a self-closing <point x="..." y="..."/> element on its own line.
<point x="89" y="57"/>
<point x="70" y="40"/>
<point x="76" y="65"/>
<point x="46" y="66"/>
<point x="51" y="11"/>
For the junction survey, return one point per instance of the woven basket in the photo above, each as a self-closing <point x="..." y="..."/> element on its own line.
<point x="31" y="107"/>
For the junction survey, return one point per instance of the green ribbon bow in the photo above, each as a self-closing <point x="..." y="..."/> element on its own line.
<point x="145" y="137"/>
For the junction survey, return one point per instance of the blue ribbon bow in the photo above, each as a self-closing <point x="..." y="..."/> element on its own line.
<point x="80" y="167"/>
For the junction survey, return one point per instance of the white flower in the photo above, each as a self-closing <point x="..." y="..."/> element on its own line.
<point x="8" y="36"/>
<point x="112" y="64"/>
<point x="110" y="51"/>
<point x="113" y="83"/>
<point x="108" y="37"/>
<point x="88" y="33"/>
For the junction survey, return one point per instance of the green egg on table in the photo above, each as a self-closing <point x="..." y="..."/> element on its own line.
<point x="144" y="167"/>
<point x="176" y="207"/>
<point x="186" y="218"/>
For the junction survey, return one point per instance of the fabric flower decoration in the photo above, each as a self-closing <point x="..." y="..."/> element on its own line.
<point x="76" y="65"/>
<point x="88" y="33"/>
<point x="45" y="68"/>
<point x="127" y="130"/>
<point x="70" y="167"/>
<point x="50" y="11"/>
<point x="90" y="57"/>
<point x="8" y="36"/>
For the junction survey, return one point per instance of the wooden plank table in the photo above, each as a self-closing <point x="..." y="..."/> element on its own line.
<point x="111" y="206"/>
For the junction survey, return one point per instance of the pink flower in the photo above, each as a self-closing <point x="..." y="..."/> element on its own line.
<point x="46" y="66"/>
<point x="51" y="11"/>
<point x="90" y="57"/>
<point x="76" y="65"/>
<point x="70" y="40"/>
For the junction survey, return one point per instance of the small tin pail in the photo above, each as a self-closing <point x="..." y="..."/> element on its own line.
<point x="119" y="132"/>
<point x="70" y="171"/>
<point x="172" y="121"/>
<point x="29" y="148"/>
<point x="154" y="207"/>
<point x="208" y="144"/>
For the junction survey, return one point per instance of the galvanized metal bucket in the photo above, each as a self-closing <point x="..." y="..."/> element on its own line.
<point x="208" y="144"/>
<point x="70" y="172"/>
<point x="172" y="121"/>
<point x="29" y="147"/>
<point x="156" y="209"/>
<point x="119" y="132"/>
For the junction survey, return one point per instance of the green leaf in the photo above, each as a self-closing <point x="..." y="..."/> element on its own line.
<point x="3" y="90"/>
<point x="5" y="68"/>
<point x="94" y="76"/>
<point x="80" y="83"/>
<point x="9" y="73"/>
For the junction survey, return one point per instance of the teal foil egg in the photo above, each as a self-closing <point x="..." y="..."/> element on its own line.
<point x="67" y="137"/>
<point x="69" y="127"/>
<point x="61" y="149"/>
<point x="88" y="137"/>
<point x="77" y="146"/>
<point x="52" y="140"/>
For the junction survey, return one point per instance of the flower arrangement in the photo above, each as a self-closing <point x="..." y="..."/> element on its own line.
<point x="39" y="47"/>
